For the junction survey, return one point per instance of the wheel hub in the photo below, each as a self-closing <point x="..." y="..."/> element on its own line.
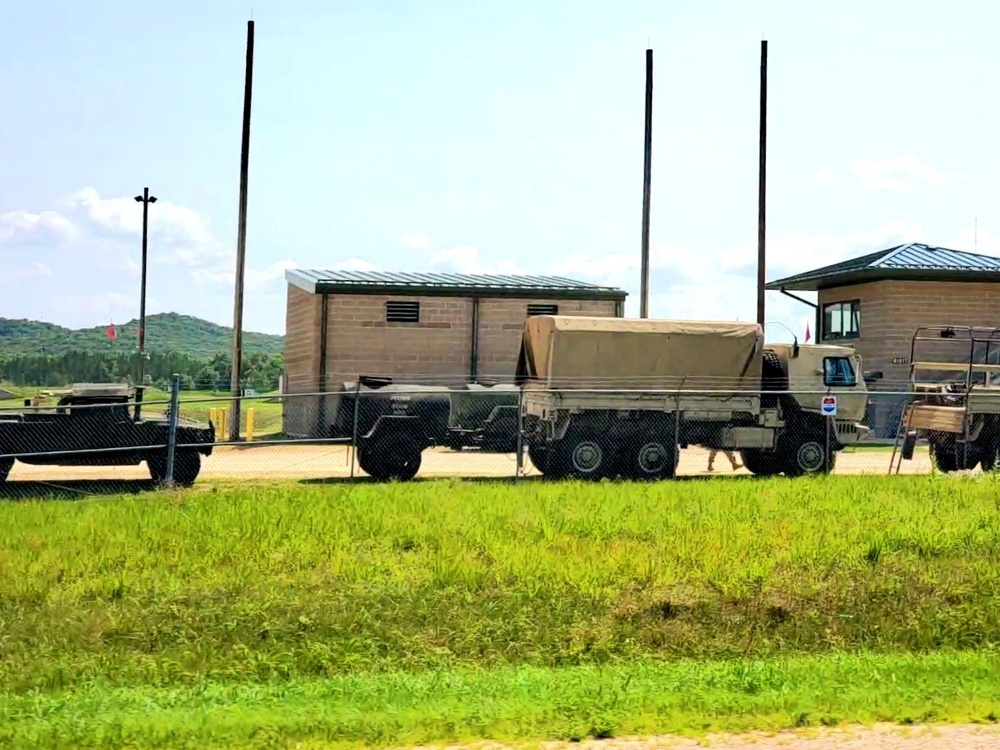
<point x="587" y="456"/>
<point x="810" y="456"/>
<point x="652" y="458"/>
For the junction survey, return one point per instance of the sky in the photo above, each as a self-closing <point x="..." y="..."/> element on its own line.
<point x="482" y="136"/>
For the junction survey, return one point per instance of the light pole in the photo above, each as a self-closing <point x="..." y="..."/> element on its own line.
<point x="145" y="199"/>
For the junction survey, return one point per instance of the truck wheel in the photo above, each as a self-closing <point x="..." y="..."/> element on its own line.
<point x="762" y="463"/>
<point x="539" y="457"/>
<point x="391" y="457"/>
<point x="808" y="456"/>
<point x="948" y="458"/>
<point x="582" y="456"/>
<point x="988" y="460"/>
<point x="187" y="467"/>
<point x="6" y="464"/>
<point x="652" y="459"/>
<point x="945" y="459"/>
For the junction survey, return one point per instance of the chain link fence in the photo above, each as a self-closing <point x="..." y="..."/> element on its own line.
<point x="379" y="430"/>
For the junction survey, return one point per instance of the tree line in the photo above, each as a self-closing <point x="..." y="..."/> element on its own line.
<point x="259" y="370"/>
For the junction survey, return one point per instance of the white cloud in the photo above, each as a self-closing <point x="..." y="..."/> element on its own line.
<point x="355" y="264"/>
<point x="826" y="177"/>
<point x="900" y="174"/>
<point x="465" y="259"/>
<point x="31" y="272"/>
<point x="416" y="241"/>
<point x="171" y="223"/>
<point x="255" y="279"/>
<point x="26" y="228"/>
<point x="107" y="305"/>
<point x="786" y="254"/>
<point x="976" y="240"/>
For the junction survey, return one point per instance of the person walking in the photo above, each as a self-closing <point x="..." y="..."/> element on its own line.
<point x="729" y="454"/>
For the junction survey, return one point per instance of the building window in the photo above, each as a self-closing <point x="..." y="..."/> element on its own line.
<point x="842" y="320"/>
<point x="402" y="312"/>
<point x="543" y="310"/>
<point x="838" y="371"/>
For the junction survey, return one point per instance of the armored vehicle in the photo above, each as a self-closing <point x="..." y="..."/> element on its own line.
<point x="95" y="425"/>
<point x="619" y="397"/>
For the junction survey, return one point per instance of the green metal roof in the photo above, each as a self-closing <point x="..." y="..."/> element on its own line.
<point x="447" y="284"/>
<point x="912" y="261"/>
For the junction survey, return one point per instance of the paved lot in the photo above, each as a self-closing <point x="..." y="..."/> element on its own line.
<point x="321" y="461"/>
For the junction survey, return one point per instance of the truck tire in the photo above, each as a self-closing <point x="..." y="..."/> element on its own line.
<point x="948" y="458"/>
<point x="988" y="459"/>
<point x="807" y="455"/>
<point x="391" y="457"/>
<point x="538" y="454"/>
<point x="650" y="459"/>
<point x="762" y="463"/>
<point x="6" y="464"/>
<point x="582" y="455"/>
<point x="187" y="467"/>
<point x="773" y="379"/>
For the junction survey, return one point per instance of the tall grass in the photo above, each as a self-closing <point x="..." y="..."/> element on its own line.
<point x="260" y="583"/>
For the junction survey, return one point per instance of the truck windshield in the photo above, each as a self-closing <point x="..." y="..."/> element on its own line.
<point x="838" y="371"/>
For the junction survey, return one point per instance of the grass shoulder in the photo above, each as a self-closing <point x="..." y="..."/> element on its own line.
<point x="684" y="698"/>
<point x="496" y="601"/>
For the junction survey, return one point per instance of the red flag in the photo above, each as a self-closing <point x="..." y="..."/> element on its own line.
<point x="112" y="333"/>
<point x="807" y="333"/>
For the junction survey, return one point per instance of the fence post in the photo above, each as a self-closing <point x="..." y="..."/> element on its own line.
<point x="175" y="392"/>
<point x="519" y="466"/>
<point x="354" y="428"/>
<point x="677" y="428"/>
<point x="826" y="453"/>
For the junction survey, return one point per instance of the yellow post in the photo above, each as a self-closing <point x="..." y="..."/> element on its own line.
<point x="250" y="424"/>
<point x="213" y="414"/>
<point x="222" y="424"/>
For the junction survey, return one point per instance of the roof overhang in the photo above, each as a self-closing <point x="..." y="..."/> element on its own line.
<point x="833" y="281"/>
<point x="320" y="286"/>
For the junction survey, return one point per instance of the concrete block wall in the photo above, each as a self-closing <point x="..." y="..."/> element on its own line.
<point x="891" y="312"/>
<point x="501" y="322"/>
<point x="436" y="350"/>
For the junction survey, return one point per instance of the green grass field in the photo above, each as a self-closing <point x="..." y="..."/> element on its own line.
<point x="197" y="405"/>
<point x="266" y="616"/>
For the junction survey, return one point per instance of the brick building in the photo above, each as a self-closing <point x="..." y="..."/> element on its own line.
<point x="876" y="303"/>
<point x="431" y="328"/>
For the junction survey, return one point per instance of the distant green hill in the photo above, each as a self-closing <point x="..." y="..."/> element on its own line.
<point x="167" y="332"/>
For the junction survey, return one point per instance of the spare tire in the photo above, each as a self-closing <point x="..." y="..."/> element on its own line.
<point x="773" y="378"/>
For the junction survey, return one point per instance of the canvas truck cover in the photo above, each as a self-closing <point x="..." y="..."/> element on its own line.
<point x="562" y="351"/>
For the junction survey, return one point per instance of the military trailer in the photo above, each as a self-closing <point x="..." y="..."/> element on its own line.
<point x="396" y="422"/>
<point x="93" y="425"/>
<point x="619" y="397"/>
<point x="954" y="399"/>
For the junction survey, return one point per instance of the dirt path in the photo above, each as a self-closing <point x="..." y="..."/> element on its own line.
<point x="878" y="737"/>
<point x="324" y="461"/>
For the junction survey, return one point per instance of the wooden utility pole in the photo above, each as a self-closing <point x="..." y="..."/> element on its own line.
<point x="762" y="167"/>
<point x="646" y="177"/>
<point x="241" y="245"/>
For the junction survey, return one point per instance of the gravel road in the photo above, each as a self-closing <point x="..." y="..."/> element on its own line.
<point x="878" y="737"/>
<point x="323" y="461"/>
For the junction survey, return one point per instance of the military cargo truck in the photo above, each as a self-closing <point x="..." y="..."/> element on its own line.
<point x="619" y="397"/>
